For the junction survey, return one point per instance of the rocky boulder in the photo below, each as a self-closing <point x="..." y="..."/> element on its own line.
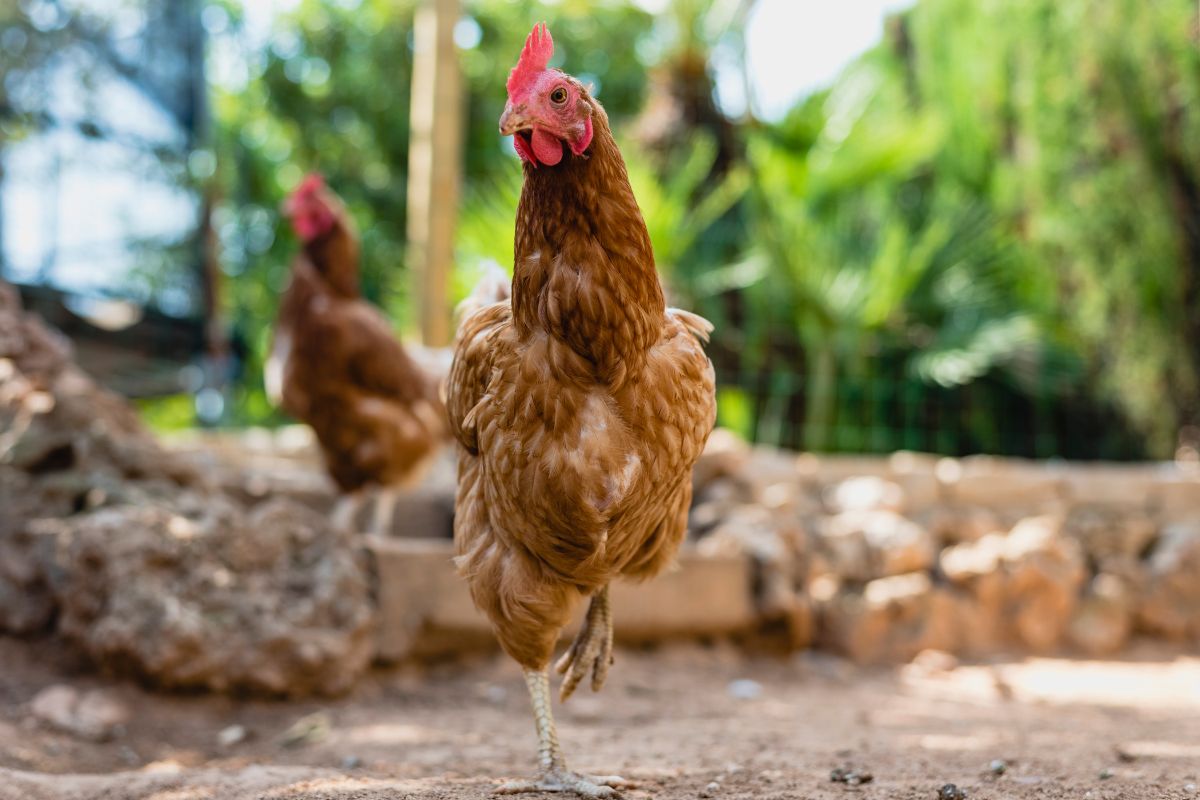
<point x="1109" y="533"/>
<point x="1044" y="571"/>
<point x="204" y="595"/>
<point x="774" y="541"/>
<point x="863" y="545"/>
<point x="865" y="493"/>
<point x="890" y="619"/>
<point x="1103" y="620"/>
<point x="1170" y="605"/>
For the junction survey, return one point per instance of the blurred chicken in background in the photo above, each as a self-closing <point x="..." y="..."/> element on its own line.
<point x="337" y="365"/>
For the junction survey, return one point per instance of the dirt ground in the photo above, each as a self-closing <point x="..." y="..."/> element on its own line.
<point x="675" y="720"/>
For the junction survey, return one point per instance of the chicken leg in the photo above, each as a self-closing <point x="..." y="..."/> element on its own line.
<point x="345" y="510"/>
<point x="592" y="648"/>
<point x="554" y="775"/>
<point x="385" y="511"/>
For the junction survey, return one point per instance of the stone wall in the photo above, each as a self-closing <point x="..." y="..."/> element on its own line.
<point x="880" y="558"/>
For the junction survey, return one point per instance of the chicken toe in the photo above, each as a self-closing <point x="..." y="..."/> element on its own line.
<point x="591" y="650"/>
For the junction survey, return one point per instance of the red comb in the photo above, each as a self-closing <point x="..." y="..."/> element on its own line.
<point x="539" y="46"/>
<point x="310" y="184"/>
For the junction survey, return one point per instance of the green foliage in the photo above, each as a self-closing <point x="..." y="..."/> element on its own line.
<point x="681" y="205"/>
<point x="1077" y="121"/>
<point x="330" y="92"/>
<point x="981" y="237"/>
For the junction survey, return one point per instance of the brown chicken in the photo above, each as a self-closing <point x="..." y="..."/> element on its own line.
<point x="336" y="364"/>
<point x="580" y="407"/>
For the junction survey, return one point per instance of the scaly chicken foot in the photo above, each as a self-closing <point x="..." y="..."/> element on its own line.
<point x="592" y="648"/>
<point x="346" y="510"/>
<point x="554" y="775"/>
<point x="384" y="515"/>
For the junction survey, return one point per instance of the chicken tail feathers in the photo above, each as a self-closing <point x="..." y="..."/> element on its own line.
<point x="493" y="286"/>
<point x="697" y="325"/>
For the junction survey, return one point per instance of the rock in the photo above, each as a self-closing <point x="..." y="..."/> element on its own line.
<point x="953" y="524"/>
<point x="754" y="531"/>
<point x="1176" y="496"/>
<point x="1170" y="605"/>
<point x="863" y="545"/>
<point x="27" y="603"/>
<point x="208" y="596"/>
<point x="312" y="728"/>
<point x="66" y="445"/>
<point x="867" y="493"/>
<point x="890" y="620"/>
<point x="774" y="540"/>
<point x="851" y="776"/>
<point x="935" y="661"/>
<point x="234" y="734"/>
<point x="1104" y="619"/>
<point x="713" y="504"/>
<point x="916" y="474"/>
<point x="1010" y="487"/>
<point x="33" y="349"/>
<point x="744" y="689"/>
<point x="832" y="468"/>
<point x="771" y="477"/>
<point x="1107" y="532"/>
<point x="1020" y="587"/>
<point x="965" y="563"/>
<point x="1044" y="572"/>
<point x="1128" y="485"/>
<point x="724" y="456"/>
<point x="94" y="715"/>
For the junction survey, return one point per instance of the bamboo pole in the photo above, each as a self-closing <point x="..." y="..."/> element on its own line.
<point x="433" y="163"/>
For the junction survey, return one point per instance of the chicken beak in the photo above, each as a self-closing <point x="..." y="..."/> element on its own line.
<point x="513" y="119"/>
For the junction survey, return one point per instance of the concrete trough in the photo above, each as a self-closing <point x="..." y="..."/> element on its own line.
<point x="425" y="609"/>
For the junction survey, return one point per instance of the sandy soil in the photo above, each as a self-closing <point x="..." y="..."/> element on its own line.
<point x="675" y="720"/>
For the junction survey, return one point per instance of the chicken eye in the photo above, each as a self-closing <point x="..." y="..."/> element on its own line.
<point x="558" y="96"/>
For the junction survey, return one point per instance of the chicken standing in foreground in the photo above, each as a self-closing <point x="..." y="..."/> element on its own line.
<point x="580" y="407"/>
<point x="336" y="364"/>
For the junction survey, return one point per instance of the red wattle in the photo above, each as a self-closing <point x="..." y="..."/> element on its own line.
<point x="547" y="148"/>
<point x="523" y="150"/>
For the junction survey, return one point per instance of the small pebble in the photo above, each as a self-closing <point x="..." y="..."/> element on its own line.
<point x="998" y="766"/>
<point x="1105" y="774"/>
<point x="307" y="730"/>
<point x="951" y="792"/>
<point x="232" y="735"/>
<point x="850" y="777"/>
<point x="1190" y="788"/>
<point x="351" y="762"/>
<point x="711" y="789"/>
<point x="745" y="689"/>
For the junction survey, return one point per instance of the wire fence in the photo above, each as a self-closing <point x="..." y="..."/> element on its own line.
<point x="885" y="410"/>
